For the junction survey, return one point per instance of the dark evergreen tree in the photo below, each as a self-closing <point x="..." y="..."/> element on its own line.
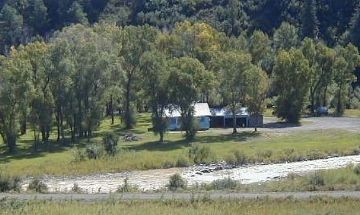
<point x="354" y="31"/>
<point x="310" y="22"/>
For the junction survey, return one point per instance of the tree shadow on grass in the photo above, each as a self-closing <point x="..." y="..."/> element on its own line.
<point x="279" y="125"/>
<point x="29" y="152"/>
<point x="182" y="144"/>
<point x="157" y="146"/>
<point x="238" y="137"/>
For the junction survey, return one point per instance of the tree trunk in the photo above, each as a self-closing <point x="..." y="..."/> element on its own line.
<point x="112" y="110"/>
<point x="127" y="114"/>
<point x="73" y="128"/>
<point x="324" y="98"/>
<point x="339" y="106"/>
<point x="312" y="101"/>
<point x="10" y="140"/>
<point x="234" y="122"/>
<point x="23" y="126"/>
<point x="62" y="126"/>
<point x="161" y="133"/>
<point x="58" y="125"/>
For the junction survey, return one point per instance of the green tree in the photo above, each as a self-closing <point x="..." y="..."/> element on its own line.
<point x="135" y="41"/>
<point x="346" y="61"/>
<point x="354" y="30"/>
<point x="12" y="24"/>
<point x="155" y="69"/>
<point x="286" y="37"/>
<point x="260" y="48"/>
<point x="321" y="60"/>
<point x="257" y="89"/>
<point x="76" y="14"/>
<point x="291" y="80"/>
<point x="187" y="78"/>
<point x="14" y="89"/>
<point x="41" y="100"/>
<point x="38" y="16"/>
<point x="310" y="23"/>
<point x="233" y="67"/>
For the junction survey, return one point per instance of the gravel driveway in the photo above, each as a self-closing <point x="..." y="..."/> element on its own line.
<point x="272" y="125"/>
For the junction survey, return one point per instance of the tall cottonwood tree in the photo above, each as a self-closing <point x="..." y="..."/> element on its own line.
<point x="135" y="41"/>
<point x="347" y="60"/>
<point x="256" y="91"/>
<point x="154" y="66"/>
<point x="233" y="68"/>
<point x="14" y="88"/>
<point x="187" y="78"/>
<point x="291" y="78"/>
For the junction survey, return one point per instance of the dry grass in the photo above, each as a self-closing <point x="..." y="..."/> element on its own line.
<point x="198" y="207"/>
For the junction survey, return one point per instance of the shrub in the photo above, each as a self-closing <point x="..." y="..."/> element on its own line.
<point x="264" y="155"/>
<point x="200" y="154"/>
<point x="94" y="151"/>
<point x="168" y="164"/>
<point x="224" y="184"/>
<point x="79" y="155"/>
<point x="176" y="182"/>
<point x="241" y="158"/>
<point x="126" y="187"/>
<point x="110" y="142"/>
<point x="316" y="180"/>
<point x="231" y="160"/>
<point x="38" y="186"/>
<point x="182" y="162"/>
<point x="191" y="129"/>
<point x="8" y="183"/>
<point x="315" y="154"/>
<point x="357" y="169"/>
<point x="76" y="188"/>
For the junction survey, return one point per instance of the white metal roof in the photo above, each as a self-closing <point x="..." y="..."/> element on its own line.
<point x="200" y="109"/>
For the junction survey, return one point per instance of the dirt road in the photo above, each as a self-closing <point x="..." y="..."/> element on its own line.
<point x="176" y="196"/>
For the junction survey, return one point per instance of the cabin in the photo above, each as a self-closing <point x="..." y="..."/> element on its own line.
<point x="201" y="113"/>
<point x="223" y="118"/>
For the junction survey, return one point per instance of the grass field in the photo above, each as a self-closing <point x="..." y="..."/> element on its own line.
<point x="147" y="153"/>
<point x="352" y="113"/>
<point x="314" y="206"/>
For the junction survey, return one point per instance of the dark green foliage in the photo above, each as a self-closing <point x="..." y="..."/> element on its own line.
<point x="94" y="151"/>
<point x="310" y="23"/>
<point x="316" y="180"/>
<point x="241" y="158"/>
<point x="110" y="142"/>
<point x="223" y="184"/>
<point x="291" y="82"/>
<point x="357" y="169"/>
<point x="182" y="162"/>
<point x="199" y="153"/>
<point x="8" y="183"/>
<point x="176" y="182"/>
<point x="38" y="186"/>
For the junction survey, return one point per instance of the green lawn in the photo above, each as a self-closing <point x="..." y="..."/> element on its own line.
<point x="288" y="206"/>
<point x="147" y="153"/>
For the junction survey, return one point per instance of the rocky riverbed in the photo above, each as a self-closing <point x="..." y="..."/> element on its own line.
<point x="152" y="180"/>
